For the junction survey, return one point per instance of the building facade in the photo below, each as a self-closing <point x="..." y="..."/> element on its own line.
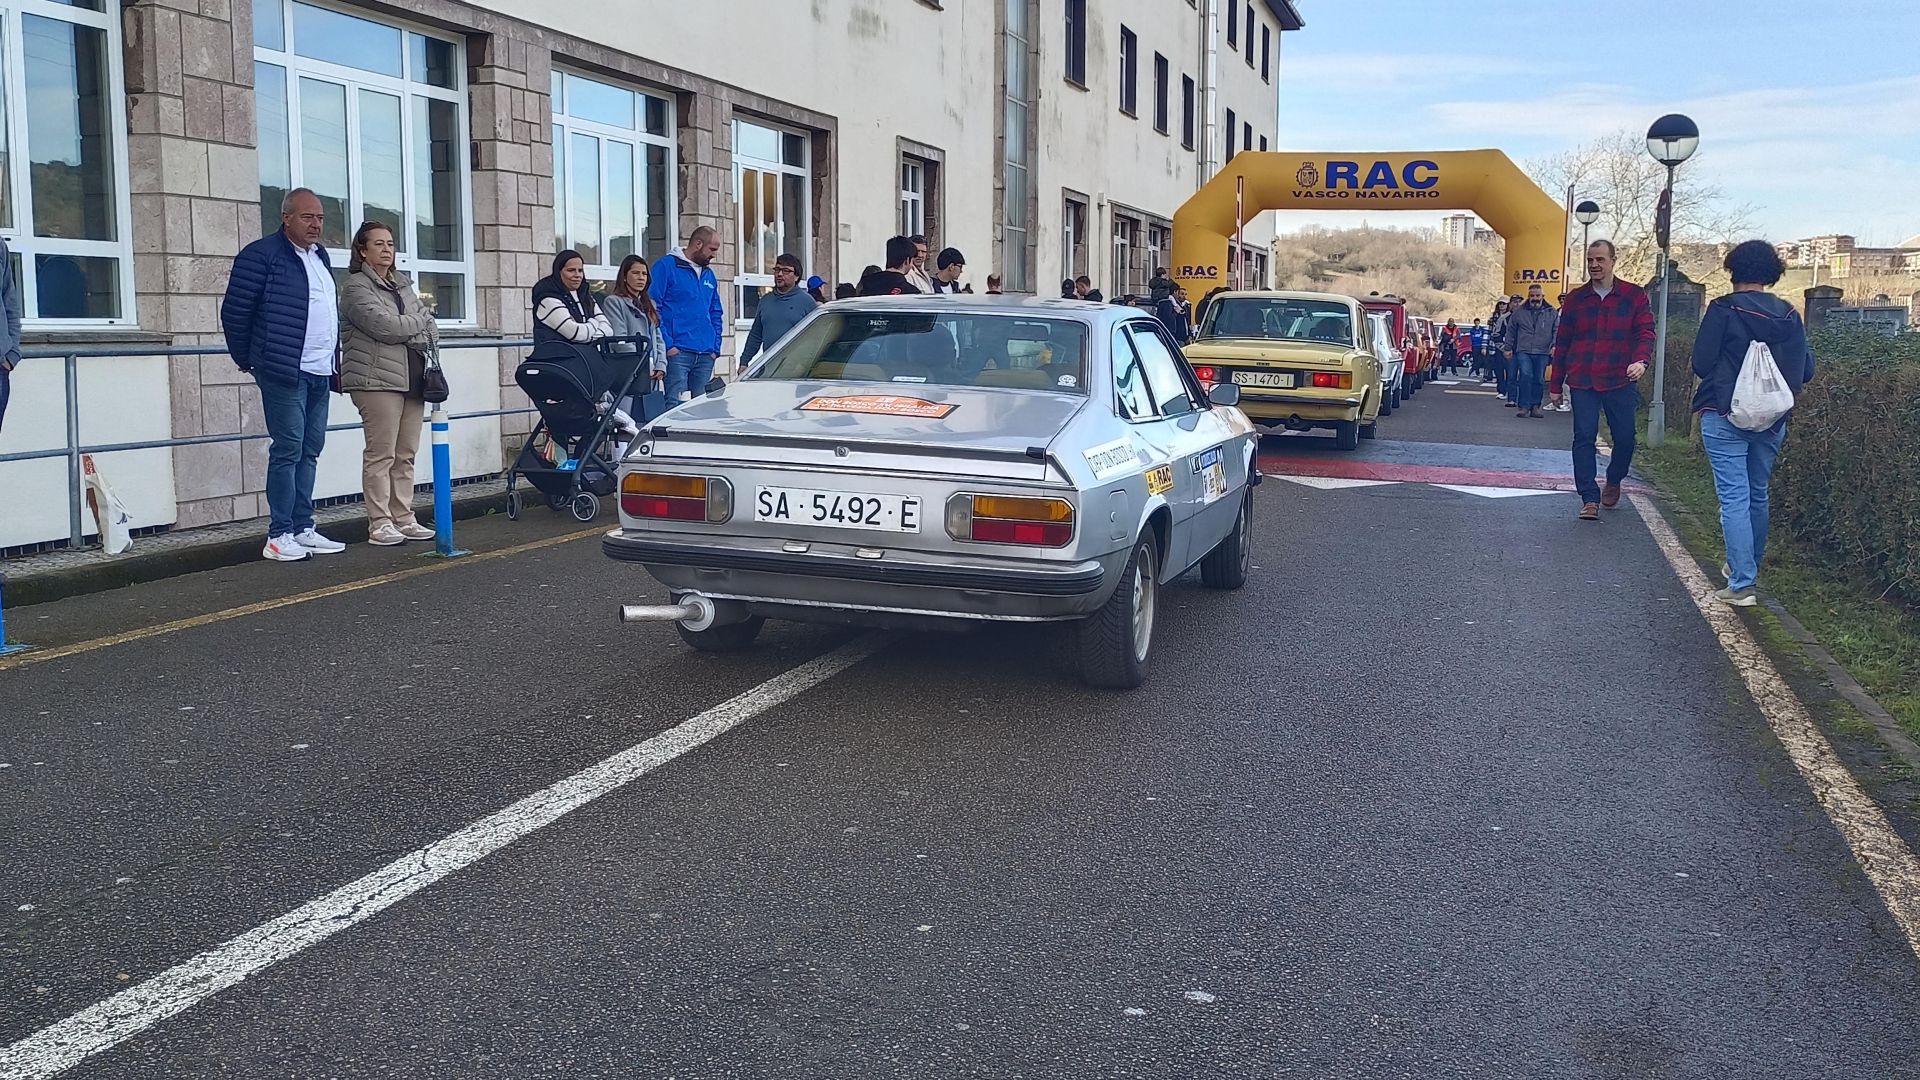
<point x="1043" y="138"/>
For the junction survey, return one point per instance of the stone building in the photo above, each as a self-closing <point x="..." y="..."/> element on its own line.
<point x="1043" y="138"/>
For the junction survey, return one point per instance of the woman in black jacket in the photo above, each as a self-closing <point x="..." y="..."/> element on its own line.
<point x="1743" y="460"/>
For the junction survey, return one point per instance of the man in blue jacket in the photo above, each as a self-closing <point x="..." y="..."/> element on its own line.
<point x="283" y="328"/>
<point x="688" y="296"/>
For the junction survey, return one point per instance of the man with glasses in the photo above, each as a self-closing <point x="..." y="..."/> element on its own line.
<point x="780" y="310"/>
<point x="917" y="272"/>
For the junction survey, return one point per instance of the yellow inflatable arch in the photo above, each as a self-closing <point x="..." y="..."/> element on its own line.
<point x="1484" y="181"/>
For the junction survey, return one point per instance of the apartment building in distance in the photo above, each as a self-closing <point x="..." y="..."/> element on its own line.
<point x="152" y="139"/>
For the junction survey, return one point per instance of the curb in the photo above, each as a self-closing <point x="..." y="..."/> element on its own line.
<point x="138" y="568"/>
<point x="1891" y="734"/>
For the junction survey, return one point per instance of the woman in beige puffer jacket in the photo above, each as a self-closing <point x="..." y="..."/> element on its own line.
<point x="385" y="330"/>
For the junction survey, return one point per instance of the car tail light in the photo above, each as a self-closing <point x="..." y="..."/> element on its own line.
<point x="1207" y="375"/>
<point x="669" y="497"/>
<point x="1332" y="380"/>
<point x="1008" y="519"/>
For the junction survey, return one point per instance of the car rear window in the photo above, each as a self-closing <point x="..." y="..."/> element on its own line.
<point x="938" y="348"/>
<point x="1279" y="318"/>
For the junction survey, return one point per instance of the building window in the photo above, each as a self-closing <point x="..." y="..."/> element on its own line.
<point x="1077" y="42"/>
<point x="1126" y="276"/>
<point x="1073" y="237"/>
<point x="1230" y="125"/>
<point x="1233" y="30"/>
<point x="1186" y="111"/>
<point x="1263" y="144"/>
<point x="1248" y="36"/>
<point x="1016" y="194"/>
<point x="1129" y="72"/>
<point x="63" y="204"/>
<point x="771" y="212"/>
<point x="373" y="118"/>
<point x="1246" y="136"/>
<point x="1159" y="247"/>
<point x="913" y="197"/>
<point x="1266" y="54"/>
<point x="613" y="173"/>
<point x="1160" y="91"/>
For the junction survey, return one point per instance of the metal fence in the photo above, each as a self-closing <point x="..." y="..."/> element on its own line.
<point x="73" y="450"/>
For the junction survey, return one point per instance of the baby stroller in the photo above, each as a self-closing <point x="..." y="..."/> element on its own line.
<point x="566" y="456"/>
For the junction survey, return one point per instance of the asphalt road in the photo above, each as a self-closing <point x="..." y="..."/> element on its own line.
<point x="1457" y="787"/>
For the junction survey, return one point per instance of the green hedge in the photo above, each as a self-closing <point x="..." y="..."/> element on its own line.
<point x="1848" y="481"/>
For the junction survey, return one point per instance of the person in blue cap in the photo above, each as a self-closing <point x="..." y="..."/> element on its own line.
<point x="817" y="288"/>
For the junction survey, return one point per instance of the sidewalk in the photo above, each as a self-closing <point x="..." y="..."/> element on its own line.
<point x="56" y="575"/>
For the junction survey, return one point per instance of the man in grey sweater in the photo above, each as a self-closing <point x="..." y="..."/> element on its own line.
<point x="780" y="310"/>
<point x="1529" y="342"/>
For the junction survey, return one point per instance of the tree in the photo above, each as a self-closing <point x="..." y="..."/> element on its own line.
<point x="1616" y="172"/>
<point x="1433" y="277"/>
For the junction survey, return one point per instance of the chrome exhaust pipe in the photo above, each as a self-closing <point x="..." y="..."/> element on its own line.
<point x="694" y="611"/>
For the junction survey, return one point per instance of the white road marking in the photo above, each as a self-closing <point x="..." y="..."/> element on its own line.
<point x="1334" y="483"/>
<point x="1495" y="492"/>
<point x="1886" y="859"/>
<point x="62" y="1045"/>
<point x="1475" y="393"/>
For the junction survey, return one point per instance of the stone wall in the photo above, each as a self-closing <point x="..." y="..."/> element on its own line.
<point x="194" y="188"/>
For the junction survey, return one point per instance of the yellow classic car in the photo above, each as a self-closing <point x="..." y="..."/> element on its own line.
<point x="1302" y="360"/>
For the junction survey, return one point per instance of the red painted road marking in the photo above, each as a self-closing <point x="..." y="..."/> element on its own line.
<point x="1288" y="465"/>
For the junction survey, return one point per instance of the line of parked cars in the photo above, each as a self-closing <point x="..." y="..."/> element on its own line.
<point x="1306" y="360"/>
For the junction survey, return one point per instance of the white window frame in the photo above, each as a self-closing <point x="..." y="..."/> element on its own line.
<point x="639" y="139"/>
<point x="741" y="279"/>
<point x="354" y="79"/>
<point x="1125" y="239"/>
<point x="913" y="196"/>
<point x="19" y="236"/>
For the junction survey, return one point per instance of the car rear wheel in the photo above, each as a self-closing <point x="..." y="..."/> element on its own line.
<point x="1116" y="641"/>
<point x="1346" y="435"/>
<point x="1367" y="431"/>
<point x="726" y="638"/>
<point x="1226" y="566"/>
<point x="1388" y="400"/>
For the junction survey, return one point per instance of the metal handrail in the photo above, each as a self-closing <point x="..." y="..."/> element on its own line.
<point x="74" y="450"/>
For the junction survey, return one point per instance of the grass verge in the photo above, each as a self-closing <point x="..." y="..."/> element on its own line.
<point x="1876" y="639"/>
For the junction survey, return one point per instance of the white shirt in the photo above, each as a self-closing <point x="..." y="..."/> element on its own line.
<point x="323" y="316"/>
<point x="1603" y="293"/>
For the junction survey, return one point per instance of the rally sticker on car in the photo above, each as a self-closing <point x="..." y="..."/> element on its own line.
<point x="880" y="405"/>
<point x="1212" y="468"/>
<point x="1109" y="459"/>
<point x="1160" y="480"/>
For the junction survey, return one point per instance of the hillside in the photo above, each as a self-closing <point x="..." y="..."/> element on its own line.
<point x="1435" y="278"/>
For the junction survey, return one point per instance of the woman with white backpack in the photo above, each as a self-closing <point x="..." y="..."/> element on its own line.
<point x="1752" y="358"/>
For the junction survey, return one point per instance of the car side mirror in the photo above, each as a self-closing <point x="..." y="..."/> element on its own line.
<point x="1224" y="394"/>
<point x="715" y="385"/>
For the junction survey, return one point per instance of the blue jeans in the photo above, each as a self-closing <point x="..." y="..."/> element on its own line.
<point x="1742" y="464"/>
<point x="297" y="422"/>
<point x="687" y="375"/>
<point x="6" y="391"/>
<point x="1620" y="405"/>
<point x="1531" y="373"/>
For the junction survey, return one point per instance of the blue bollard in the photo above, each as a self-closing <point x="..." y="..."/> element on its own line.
<point x="443" y="488"/>
<point x="7" y="647"/>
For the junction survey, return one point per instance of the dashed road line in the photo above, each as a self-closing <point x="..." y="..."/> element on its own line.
<point x="1886" y="859"/>
<point x="39" y="656"/>
<point x="60" y="1046"/>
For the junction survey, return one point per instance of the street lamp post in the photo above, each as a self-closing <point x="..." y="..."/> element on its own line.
<point x="1586" y="214"/>
<point x="1671" y="140"/>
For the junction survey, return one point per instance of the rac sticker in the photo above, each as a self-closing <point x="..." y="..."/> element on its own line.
<point x="880" y="405"/>
<point x="1160" y="480"/>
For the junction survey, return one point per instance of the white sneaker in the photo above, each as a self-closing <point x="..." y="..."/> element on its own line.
<point x="284" y="548"/>
<point x="319" y="545"/>
<point x="416" y="531"/>
<point x="386" y="535"/>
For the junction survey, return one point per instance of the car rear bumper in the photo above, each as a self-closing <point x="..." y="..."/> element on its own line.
<point x="1273" y="407"/>
<point x="835" y="577"/>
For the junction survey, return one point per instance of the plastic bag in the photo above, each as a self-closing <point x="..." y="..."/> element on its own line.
<point x="1760" y="394"/>
<point x="108" y="511"/>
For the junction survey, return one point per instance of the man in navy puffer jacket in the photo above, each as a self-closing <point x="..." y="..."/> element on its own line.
<point x="283" y="328"/>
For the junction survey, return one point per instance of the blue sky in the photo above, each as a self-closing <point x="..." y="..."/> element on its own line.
<point x="1815" y="122"/>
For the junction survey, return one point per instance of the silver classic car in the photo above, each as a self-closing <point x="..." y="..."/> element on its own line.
<point x="898" y="461"/>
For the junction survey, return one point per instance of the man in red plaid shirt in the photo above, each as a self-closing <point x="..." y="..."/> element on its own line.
<point x="1603" y="346"/>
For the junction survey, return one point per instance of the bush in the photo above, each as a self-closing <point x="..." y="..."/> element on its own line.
<point x="1849" y="478"/>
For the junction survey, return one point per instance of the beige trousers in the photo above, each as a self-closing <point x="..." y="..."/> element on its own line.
<point x="392" y="423"/>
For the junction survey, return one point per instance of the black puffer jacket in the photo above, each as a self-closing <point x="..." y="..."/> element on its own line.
<point x="1734" y="322"/>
